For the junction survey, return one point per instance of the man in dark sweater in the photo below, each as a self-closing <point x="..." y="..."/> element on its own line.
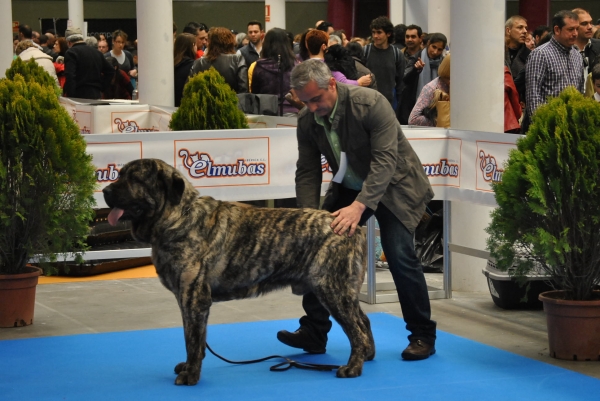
<point x="414" y="66"/>
<point x="87" y="72"/>
<point x="46" y="49"/>
<point x="588" y="46"/>
<point x="256" y="35"/>
<point x="385" y="61"/>
<point x="516" y="53"/>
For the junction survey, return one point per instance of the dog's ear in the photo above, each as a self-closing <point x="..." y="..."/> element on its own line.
<point x="177" y="188"/>
<point x="174" y="185"/>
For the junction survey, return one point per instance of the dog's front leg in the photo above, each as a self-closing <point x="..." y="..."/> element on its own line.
<point x="194" y="302"/>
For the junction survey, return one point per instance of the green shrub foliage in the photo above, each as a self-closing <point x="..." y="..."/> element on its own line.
<point x="549" y="197"/>
<point x="208" y="103"/>
<point x="46" y="178"/>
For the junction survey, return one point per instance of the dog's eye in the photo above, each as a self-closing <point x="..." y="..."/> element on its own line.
<point x="136" y="210"/>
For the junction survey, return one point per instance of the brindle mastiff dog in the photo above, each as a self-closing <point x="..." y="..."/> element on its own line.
<point x="205" y="250"/>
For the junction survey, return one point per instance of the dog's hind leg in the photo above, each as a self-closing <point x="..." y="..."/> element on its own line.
<point x="194" y="302"/>
<point x="345" y="309"/>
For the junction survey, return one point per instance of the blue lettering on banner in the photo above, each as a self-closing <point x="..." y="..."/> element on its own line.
<point x="443" y="168"/>
<point x="109" y="174"/>
<point x="489" y="168"/>
<point x="325" y="167"/>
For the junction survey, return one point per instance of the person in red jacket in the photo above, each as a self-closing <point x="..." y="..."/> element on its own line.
<point x="512" y="106"/>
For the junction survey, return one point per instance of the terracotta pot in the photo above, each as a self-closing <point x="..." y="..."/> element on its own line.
<point x="573" y="327"/>
<point x="17" y="297"/>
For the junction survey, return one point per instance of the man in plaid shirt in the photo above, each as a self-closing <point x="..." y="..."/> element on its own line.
<point x="555" y="65"/>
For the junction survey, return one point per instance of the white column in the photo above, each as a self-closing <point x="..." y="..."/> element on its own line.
<point x="438" y="17"/>
<point x="75" y="15"/>
<point x="155" y="50"/>
<point x="477" y="87"/>
<point x="397" y="12"/>
<point x="274" y="14"/>
<point x="416" y="12"/>
<point x="6" y="44"/>
<point x="477" y="96"/>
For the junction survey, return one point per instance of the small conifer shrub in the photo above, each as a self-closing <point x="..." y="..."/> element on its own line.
<point x="46" y="177"/>
<point x="549" y="197"/>
<point x="208" y="103"/>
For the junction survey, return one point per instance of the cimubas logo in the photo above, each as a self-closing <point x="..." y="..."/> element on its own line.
<point x="489" y="167"/>
<point x="108" y="174"/>
<point x="129" y="126"/>
<point x="325" y="167"/>
<point x="202" y="165"/>
<point x="444" y="168"/>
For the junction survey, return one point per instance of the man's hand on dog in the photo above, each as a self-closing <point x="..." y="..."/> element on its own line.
<point x="346" y="219"/>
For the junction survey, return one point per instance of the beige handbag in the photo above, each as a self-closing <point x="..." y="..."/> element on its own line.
<point x="441" y="102"/>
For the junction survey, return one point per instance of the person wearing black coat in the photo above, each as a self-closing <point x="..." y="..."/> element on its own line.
<point x="355" y="50"/>
<point x="87" y="72"/>
<point x="184" y="52"/>
<point x="516" y="52"/>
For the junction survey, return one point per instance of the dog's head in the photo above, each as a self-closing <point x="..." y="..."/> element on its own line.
<point x="145" y="190"/>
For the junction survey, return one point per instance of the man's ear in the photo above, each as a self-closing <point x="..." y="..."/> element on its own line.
<point x="332" y="83"/>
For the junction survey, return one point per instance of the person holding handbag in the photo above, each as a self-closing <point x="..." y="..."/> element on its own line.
<point x="432" y="98"/>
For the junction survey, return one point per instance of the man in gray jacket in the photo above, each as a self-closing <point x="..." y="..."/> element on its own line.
<point x="384" y="177"/>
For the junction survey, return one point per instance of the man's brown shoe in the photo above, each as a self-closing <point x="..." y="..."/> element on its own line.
<point x="418" y="350"/>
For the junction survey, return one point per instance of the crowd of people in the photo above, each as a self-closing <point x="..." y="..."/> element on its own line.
<point x="350" y="97"/>
<point x="84" y="67"/>
<point x="403" y="63"/>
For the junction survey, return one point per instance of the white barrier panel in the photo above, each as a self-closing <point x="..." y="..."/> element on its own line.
<point x="114" y="116"/>
<point x="257" y="164"/>
<point x="125" y="116"/>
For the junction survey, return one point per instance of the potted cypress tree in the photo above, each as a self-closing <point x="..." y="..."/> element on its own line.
<point x="46" y="185"/>
<point x="208" y="103"/>
<point x="549" y="214"/>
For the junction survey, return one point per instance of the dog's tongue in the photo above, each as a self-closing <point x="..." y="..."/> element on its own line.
<point x="114" y="216"/>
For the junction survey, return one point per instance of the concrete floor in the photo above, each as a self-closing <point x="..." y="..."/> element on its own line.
<point x="138" y="304"/>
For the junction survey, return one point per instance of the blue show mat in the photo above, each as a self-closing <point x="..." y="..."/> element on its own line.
<point x="138" y="365"/>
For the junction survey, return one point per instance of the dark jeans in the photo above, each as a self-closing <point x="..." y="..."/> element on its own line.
<point x="398" y="245"/>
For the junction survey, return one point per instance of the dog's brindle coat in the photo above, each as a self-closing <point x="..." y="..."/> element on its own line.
<point x="205" y="250"/>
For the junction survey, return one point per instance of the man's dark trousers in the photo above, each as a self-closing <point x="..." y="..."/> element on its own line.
<point x="398" y="246"/>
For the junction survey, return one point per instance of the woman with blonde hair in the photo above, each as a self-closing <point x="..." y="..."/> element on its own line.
<point x="222" y="56"/>
<point x="424" y="113"/>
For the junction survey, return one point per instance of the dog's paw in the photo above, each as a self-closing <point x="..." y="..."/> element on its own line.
<point x="187" y="378"/>
<point x="347" y="371"/>
<point x="180" y="367"/>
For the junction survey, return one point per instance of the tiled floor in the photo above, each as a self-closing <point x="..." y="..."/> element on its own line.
<point x="137" y="304"/>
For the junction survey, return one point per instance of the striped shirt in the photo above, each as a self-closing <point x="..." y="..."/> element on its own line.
<point x="551" y="68"/>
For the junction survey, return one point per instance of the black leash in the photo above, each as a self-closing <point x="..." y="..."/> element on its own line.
<point x="280" y="367"/>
